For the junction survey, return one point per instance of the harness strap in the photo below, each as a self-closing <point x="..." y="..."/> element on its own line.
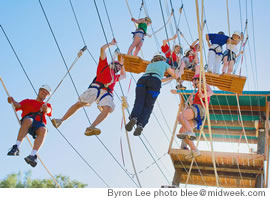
<point x="154" y="93"/>
<point x="218" y="53"/>
<point x="198" y="118"/>
<point x="34" y="115"/>
<point x="106" y="94"/>
<point x="96" y="87"/>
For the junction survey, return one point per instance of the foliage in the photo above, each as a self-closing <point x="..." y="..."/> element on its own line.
<point x="25" y="181"/>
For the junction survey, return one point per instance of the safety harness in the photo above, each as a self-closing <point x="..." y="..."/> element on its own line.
<point x="139" y="31"/>
<point x="215" y="50"/>
<point x="101" y="86"/>
<point x="198" y="118"/>
<point x="34" y="116"/>
<point x="152" y="92"/>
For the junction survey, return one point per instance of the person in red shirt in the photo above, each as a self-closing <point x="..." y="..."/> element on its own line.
<point x="193" y="115"/>
<point x="33" y="122"/>
<point x="99" y="91"/>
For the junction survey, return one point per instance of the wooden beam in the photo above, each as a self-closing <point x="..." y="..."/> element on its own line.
<point x="267" y="142"/>
<point x="235" y="108"/>
<point x="227" y="112"/>
<point x="251" y="133"/>
<point x="222" y="168"/>
<point x="232" y="140"/>
<point x="229" y="123"/>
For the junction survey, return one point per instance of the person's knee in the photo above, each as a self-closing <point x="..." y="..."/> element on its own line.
<point x="107" y="109"/>
<point x="80" y="104"/>
<point x="181" y="117"/>
<point x="41" y="131"/>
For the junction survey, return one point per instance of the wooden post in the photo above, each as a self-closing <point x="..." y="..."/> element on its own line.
<point x="177" y="177"/>
<point x="260" y="150"/>
<point x="267" y="143"/>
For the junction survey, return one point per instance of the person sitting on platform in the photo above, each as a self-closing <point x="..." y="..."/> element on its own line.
<point x="215" y="50"/>
<point x="33" y="122"/>
<point x="99" y="91"/>
<point x="172" y="58"/>
<point x="147" y="91"/>
<point x="139" y="34"/>
<point x="230" y="54"/>
<point x="193" y="115"/>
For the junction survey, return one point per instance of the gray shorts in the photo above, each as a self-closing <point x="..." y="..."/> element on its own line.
<point x="202" y="113"/>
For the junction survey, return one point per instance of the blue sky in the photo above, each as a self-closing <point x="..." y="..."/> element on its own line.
<point x="28" y="31"/>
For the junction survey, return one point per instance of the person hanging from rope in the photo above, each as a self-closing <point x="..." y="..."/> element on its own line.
<point x="193" y="115"/>
<point x="99" y="91"/>
<point x="215" y="43"/>
<point x="190" y="59"/>
<point x="230" y="54"/>
<point x="172" y="58"/>
<point x="147" y="91"/>
<point x="33" y="122"/>
<point x="139" y="34"/>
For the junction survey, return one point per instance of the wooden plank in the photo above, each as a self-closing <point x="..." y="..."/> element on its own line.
<point x="224" y="168"/>
<point x="251" y="133"/>
<point x="235" y="108"/>
<point x="232" y="140"/>
<point x="229" y="123"/>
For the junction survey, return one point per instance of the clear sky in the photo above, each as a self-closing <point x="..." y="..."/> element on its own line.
<point x="29" y="33"/>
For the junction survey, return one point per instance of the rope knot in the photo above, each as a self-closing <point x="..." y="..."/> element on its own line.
<point x="124" y="102"/>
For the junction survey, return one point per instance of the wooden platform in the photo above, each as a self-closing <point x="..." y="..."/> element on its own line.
<point x="226" y="82"/>
<point x="228" y="167"/>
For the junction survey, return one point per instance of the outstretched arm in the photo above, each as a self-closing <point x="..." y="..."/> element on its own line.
<point x="104" y="47"/>
<point x="122" y="71"/>
<point x="142" y="20"/>
<point x="16" y="104"/>
<point x="207" y="39"/>
<point x="166" y="41"/>
<point x="194" y="43"/>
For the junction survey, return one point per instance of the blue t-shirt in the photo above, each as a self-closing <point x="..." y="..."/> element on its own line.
<point x="158" y="68"/>
<point x="219" y="39"/>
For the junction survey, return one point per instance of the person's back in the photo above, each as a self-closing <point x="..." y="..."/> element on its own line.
<point x="158" y="68"/>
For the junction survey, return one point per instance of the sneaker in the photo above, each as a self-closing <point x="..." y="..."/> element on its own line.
<point x="138" y="130"/>
<point x="14" y="151"/>
<point x="190" y="135"/>
<point x="32" y="160"/>
<point x="56" y="122"/>
<point x="192" y="154"/>
<point x="131" y="124"/>
<point x="92" y="131"/>
<point x="180" y="86"/>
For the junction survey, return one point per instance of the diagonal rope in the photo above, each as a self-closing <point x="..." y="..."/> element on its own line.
<point x="78" y="93"/>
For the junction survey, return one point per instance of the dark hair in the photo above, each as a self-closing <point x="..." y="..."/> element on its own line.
<point x="222" y="33"/>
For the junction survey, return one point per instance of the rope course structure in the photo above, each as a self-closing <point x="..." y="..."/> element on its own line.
<point x="233" y="116"/>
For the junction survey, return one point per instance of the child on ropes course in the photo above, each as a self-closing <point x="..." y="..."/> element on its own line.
<point x="215" y="50"/>
<point x="230" y="54"/>
<point x="33" y="122"/>
<point x="147" y="91"/>
<point x="99" y="91"/>
<point x="193" y="116"/>
<point x="172" y="58"/>
<point x="190" y="59"/>
<point x="139" y="34"/>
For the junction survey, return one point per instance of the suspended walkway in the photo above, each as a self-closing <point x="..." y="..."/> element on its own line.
<point x="225" y="82"/>
<point x="234" y="169"/>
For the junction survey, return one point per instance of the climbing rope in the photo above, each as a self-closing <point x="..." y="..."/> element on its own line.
<point x="43" y="164"/>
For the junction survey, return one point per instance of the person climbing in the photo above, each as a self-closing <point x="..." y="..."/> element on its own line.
<point x="147" y="91"/>
<point x="99" y="91"/>
<point x="33" y="122"/>
<point x="193" y="115"/>
<point x="230" y="54"/>
<point x="215" y="43"/>
<point x="172" y="58"/>
<point x="139" y="34"/>
<point x="190" y="59"/>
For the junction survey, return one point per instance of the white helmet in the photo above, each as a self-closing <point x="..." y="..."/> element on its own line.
<point x="237" y="33"/>
<point x="46" y="87"/>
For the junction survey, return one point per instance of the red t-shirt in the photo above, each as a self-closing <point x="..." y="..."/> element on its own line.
<point x="107" y="75"/>
<point x="33" y="106"/>
<point x="197" y="99"/>
<point x="167" y="51"/>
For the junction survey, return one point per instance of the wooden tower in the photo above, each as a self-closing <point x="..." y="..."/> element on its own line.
<point x="234" y="169"/>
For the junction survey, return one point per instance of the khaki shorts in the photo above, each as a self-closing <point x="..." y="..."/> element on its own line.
<point x="89" y="96"/>
<point x="202" y="113"/>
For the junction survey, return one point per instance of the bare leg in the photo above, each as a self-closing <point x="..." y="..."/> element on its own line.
<point x="41" y="134"/>
<point x="230" y="68"/>
<point x="26" y="124"/>
<point x="138" y="48"/>
<point x="225" y="64"/>
<point x="189" y="142"/>
<point x="197" y="69"/>
<point x="136" y="42"/>
<point x="185" y="117"/>
<point x="73" y="109"/>
<point x="102" y="115"/>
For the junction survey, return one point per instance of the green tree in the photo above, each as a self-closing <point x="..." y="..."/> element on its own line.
<point x="25" y="181"/>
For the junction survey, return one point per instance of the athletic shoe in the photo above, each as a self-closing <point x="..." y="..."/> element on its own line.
<point x="138" y="130"/>
<point x="14" y="151"/>
<point x="56" y="122"/>
<point x="192" y="154"/>
<point x="92" y="131"/>
<point x="131" y="124"/>
<point x="32" y="160"/>
<point x="189" y="134"/>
